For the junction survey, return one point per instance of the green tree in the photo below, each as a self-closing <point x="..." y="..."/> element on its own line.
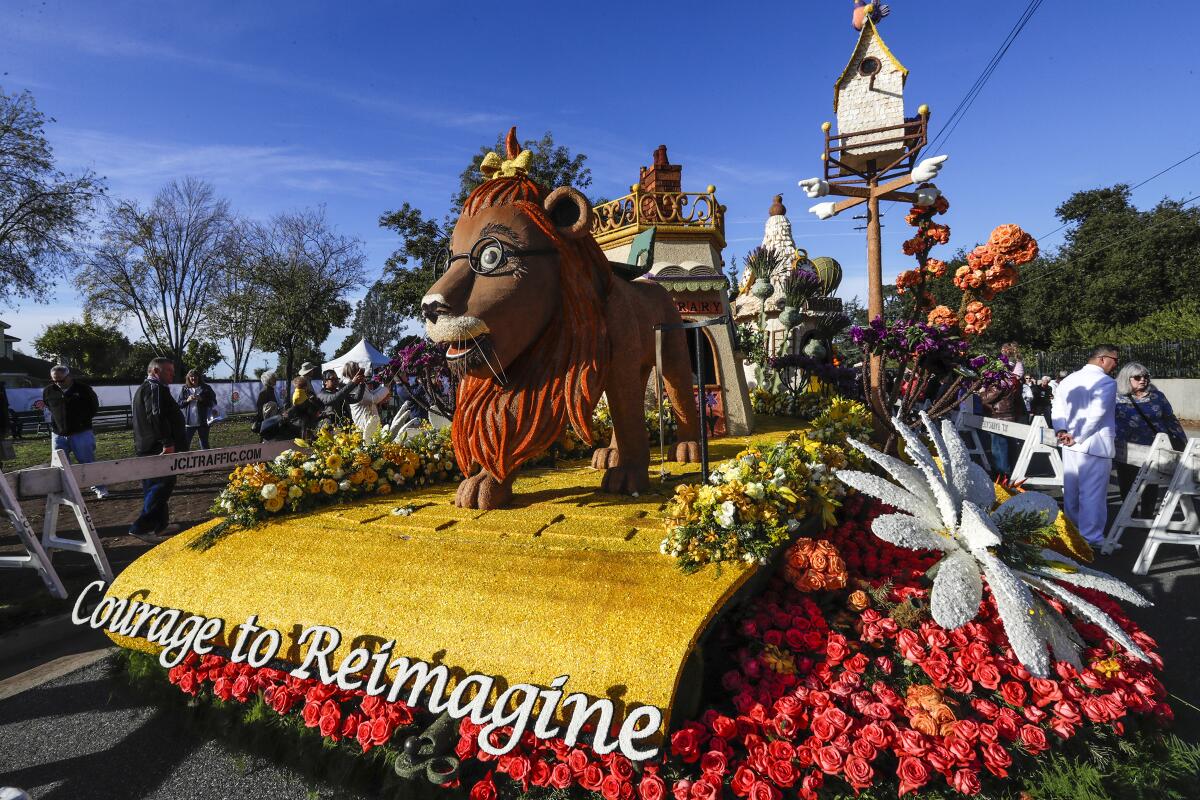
<point x="202" y="356"/>
<point x="409" y="271"/>
<point x="376" y="320"/>
<point x="158" y="265"/>
<point x="43" y="212"/>
<point x="93" y="349"/>
<point x="133" y="367"/>
<point x="306" y="268"/>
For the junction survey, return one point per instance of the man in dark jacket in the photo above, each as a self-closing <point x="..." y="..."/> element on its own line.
<point x="334" y="397"/>
<point x="72" y="406"/>
<point x="157" y="428"/>
<point x="1003" y="401"/>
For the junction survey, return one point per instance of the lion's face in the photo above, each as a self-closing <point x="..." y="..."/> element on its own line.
<point x="502" y="289"/>
<point x="489" y="319"/>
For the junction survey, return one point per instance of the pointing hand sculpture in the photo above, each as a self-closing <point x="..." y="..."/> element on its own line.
<point x="823" y="210"/>
<point x="815" y="187"/>
<point x="928" y="169"/>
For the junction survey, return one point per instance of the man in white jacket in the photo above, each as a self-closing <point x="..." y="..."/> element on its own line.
<point x="1084" y="415"/>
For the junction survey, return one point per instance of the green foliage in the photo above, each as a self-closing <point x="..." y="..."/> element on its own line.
<point x="377" y="320"/>
<point x="43" y="212"/>
<point x="1119" y="267"/>
<point x="202" y="356"/>
<point x="89" y="347"/>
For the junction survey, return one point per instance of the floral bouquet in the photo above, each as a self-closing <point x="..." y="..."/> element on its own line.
<point x="337" y="466"/>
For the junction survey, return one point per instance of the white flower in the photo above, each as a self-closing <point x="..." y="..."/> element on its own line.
<point x="725" y="517"/>
<point x="309" y="466"/>
<point x="295" y="491"/>
<point x="402" y="511"/>
<point x="755" y="491"/>
<point x="665" y="547"/>
<point x="947" y="510"/>
<point x="269" y="490"/>
<point x="338" y="474"/>
<point x="345" y="486"/>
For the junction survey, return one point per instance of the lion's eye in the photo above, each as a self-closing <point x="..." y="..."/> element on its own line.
<point x="491" y="257"/>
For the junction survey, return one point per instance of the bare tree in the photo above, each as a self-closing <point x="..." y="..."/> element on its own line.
<point x="305" y="268"/>
<point x="236" y="302"/>
<point x="160" y="264"/>
<point x="42" y="211"/>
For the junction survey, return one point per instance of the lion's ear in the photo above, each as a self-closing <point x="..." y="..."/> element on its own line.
<point x="570" y="212"/>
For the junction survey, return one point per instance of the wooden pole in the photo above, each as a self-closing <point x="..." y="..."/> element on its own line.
<point x="875" y="280"/>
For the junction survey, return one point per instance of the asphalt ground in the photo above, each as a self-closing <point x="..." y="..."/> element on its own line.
<point x="85" y="734"/>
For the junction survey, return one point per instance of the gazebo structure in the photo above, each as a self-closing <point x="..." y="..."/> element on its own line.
<point x="689" y="240"/>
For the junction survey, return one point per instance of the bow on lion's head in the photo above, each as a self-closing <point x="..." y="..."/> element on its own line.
<point x="521" y="308"/>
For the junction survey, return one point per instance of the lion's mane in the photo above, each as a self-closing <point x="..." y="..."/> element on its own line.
<point x="557" y="380"/>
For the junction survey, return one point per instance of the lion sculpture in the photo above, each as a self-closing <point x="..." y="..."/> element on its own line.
<point x="538" y="327"/>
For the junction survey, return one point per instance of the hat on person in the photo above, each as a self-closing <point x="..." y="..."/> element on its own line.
<point x="308" y="368"/>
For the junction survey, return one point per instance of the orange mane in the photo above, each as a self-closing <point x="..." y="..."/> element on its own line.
<point x="559" y="379"/>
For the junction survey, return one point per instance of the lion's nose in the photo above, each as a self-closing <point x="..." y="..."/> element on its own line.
<point x="432" y="309"/>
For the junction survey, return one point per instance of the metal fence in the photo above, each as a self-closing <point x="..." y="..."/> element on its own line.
<point x="1178" y="359"/>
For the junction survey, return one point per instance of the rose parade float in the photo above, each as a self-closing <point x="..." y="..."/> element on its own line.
<point x="819" y="616"/>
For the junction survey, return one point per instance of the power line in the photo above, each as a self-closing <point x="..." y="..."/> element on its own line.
<point x="1158" y="174"/>
<point x="1138" y="232"/>
<point x="973" y="93"/>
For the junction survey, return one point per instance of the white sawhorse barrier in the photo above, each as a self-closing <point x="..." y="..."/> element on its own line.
<point x="1181" y="495"/>
<point x="971" y="438"/>
<point x="1036" y="438"/>
<point x="59" y="483"/>
<point x="1156" y="464"/>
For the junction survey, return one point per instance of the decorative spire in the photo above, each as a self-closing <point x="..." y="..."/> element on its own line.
<point x="516" y="163"/>
<point x="777" y="208"/>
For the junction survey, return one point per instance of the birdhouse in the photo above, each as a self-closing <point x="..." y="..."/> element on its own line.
<point x="869" y="97"/>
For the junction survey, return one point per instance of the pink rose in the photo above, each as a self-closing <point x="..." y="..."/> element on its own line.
<point x="913" y="774"/>
<point x="966" y="781"/>
<point x="858" y="772"/>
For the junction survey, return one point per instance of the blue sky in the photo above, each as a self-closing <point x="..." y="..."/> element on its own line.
<point x="362" y="106"/>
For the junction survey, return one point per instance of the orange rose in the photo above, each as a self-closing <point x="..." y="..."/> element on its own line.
<point x="924" y="696"/>
<point x="858" y="600"/>
<point x="938" y="233"/>
<point x="923" y="723"/>
<point x="960" y="277"/>
<point x="915" y="245"/>
<point x="943" y="316"/>
<point x="941" y="205"/>
<point x="981" y="257"/>
<point x="907" y="279"/>
<point x="935" y="267"/>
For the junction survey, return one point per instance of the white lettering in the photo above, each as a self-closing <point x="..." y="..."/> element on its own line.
<point x="325" y="641"/>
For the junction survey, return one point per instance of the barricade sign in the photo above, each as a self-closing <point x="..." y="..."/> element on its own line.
<point x="59" y="483"/>
<point x="1181" y="496"/>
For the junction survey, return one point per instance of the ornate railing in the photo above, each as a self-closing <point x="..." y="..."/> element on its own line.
<point x="642" y="209"/>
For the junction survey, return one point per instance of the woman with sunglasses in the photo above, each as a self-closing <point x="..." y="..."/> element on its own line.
<point x="1143" y="412"/>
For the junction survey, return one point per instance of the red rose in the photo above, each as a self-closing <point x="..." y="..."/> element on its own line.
<point x="912" y="742"/>
<point x="466" y="748"/>
<point x="913" y="774"/>
<point x="941" y="759"/>
<point x="519" y="767"/>
<point x="560" y="776"/>
<point x="762" y="790"/>
<point x="829" y="759"/>
<point x="591" y="778"/>
<point x="864" y="749"/>
<point x="484" y="789"/>
<point x="985" y="708"/>
<point x="540" y="775"/>
<point x="1062" y="727"/>
<point x="1095" y="709"/>
<point x="682" y="789"/>
<point x="966" y="781"/>
<point x="363" y="736"/>
<point x="726" y="728"/>
<point x="1045" y="691"/>
<point x="381" y="731"/>
<point x="621" y="767"/>
<point x="996" y="759"/>
<point x="782" y="773"/>
<point x="966" y="729"/>
<point x="874" y="734"/>
<point x="1014" y="694"/>
<point x="1067" y="710"/>
<point x="1034" y="739"/>
<point x="703" y="790"/>
<point x="859" y="772"/>
<point x="713" y="762"/>
<point x="743" y="780"/>
<point x="835" y="649"/>
<point x="988" y="676"/>
<point x="938" y="672"/>
<point x="311" y="714"/>
<point x="241" y="688"/>
<point x="685" y="743"/>
<point x="651" y="787"/>
<point x="962" y="751"/>
<point x="858" y="663"/>
<point x="577" y="760"/>
<point x="329" y="724"/>
<point x="1006" y="724"/>
<point x="610" y="788"/>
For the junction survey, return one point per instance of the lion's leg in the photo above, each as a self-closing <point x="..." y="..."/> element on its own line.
<point x="629" y="429"/>
<point x="484" y="492"/>
<point x="605" y="457"/>
<point x="677" y="375"/>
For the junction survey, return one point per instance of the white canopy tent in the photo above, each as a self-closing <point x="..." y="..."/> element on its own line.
<point x="364" y="353"/>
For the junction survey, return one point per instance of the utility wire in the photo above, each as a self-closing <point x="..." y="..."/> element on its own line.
<point x="1131" y="188"/>
<point x="973" y="93"/>
<point x="1101" y="248"/>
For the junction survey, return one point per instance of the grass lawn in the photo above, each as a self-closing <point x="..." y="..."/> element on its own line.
<point x="114" y="444"/>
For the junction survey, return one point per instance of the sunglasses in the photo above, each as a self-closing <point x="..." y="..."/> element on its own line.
<point x="1142" y="377"/>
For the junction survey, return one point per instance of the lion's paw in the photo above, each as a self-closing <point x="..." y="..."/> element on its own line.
<point x="686" y="452"/>
<point x="624" y="480"/>
<point x="605" y="458"/>
<point x="482" y="491"/>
